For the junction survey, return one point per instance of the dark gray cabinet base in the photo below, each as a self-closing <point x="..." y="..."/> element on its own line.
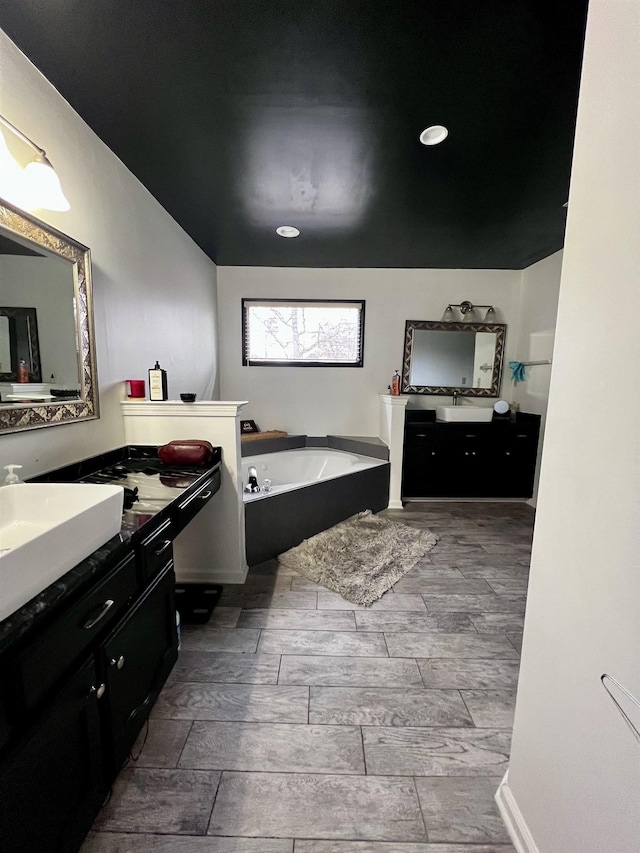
<point x="469" y="460"/>
<point x="76" y="697"/>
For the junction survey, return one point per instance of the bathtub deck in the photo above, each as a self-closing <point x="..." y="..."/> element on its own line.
<point x="295" y="722"/>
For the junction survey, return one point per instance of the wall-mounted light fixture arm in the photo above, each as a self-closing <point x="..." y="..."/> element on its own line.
<point x="35" y="186"/>
<point x="468" y="311"/>
<point x="22" y="136"/>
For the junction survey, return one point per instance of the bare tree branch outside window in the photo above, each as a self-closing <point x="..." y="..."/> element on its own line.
<point x="327" y="333"/>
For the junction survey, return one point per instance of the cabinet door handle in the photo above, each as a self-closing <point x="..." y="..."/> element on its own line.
<point x="205" y="496"/>
<point x="166" y="544"/>
<point x="98" y="692"/>
<point x="119" y="663"/>
<point x="421" y="435"/>
<point x="106" y="607"/>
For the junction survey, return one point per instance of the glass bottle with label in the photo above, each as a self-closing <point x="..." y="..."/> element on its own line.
<point x="157" y="383"/>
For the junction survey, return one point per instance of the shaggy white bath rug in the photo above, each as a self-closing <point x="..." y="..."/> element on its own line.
<point x="362" y="557"/>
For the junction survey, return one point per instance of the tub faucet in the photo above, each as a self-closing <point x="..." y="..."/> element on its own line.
<point x="252" y="484"/>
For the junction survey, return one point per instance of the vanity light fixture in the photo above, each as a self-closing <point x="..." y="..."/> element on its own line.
<point x="288" y="231"/>
<point x="35" y="186"/>
<point x="469" y="313"/>
<point x="434" y="135"/>
<point x="449" y="316"/>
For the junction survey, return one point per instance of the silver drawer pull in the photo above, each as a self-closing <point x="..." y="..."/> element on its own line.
<point x="119" y="663"/>
<point x="421" y="435"/>
<point x="98" y="692"/>
<point x="206" y="496"/>
<point x="106" y="607"/>
<point x="166" y="544"/>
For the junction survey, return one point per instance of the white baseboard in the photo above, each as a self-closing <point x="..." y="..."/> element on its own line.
<point x="395" y="505"/>
<point x="513" y="819"/>
<point x="212" y="576"/>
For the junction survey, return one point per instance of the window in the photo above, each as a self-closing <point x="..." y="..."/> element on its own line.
<point x="303" y="332"/>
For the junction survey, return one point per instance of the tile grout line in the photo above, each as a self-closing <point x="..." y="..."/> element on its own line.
<point x="364" y="754"/>
<point x="215" y="797"/>
<point x="471" y="717"/>
<point x="424" y="822"/>
<point x="184" y="745"/>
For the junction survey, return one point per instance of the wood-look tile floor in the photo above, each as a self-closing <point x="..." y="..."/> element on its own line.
<point x="295" y="722"/>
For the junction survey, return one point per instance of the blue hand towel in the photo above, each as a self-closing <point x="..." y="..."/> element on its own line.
<point x="517" y="371"/>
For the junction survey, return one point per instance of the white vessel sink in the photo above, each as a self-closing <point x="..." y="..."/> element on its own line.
<point x="464" y="414"/>
<point x="48" y="528"/>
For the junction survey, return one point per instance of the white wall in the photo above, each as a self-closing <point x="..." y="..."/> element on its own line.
<point x="535" y="334"/>
<point x="318" y="401"/>
<point x="154" y="290"/>
<point x="575" y="766"/>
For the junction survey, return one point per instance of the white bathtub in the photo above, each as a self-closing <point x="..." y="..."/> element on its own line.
<point x="293" y="469"/>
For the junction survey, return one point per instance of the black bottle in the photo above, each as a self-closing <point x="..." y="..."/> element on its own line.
<point x="158" y="383"/>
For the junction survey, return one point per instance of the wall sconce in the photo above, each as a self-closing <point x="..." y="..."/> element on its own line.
<point x="35" y="186"/>
<point x="469" y="313"/>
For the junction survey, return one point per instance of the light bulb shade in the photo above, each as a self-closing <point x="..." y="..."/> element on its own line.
<point x="491" y="316"/>
<point x="468" y="312"/>
<point x="42" y="185"/>
<point x="448" y="316"/>
<point x="11" y="177"/>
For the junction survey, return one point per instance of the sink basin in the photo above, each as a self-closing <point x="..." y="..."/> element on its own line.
<point x="48" y="528"/>
<point x="464" y="414"/>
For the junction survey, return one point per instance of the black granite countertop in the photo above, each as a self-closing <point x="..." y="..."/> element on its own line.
<point x="136" y="525"/>
<point x="428" y="416"/>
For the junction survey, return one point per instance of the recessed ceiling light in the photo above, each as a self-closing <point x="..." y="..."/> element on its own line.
<point x="288" y="231"/>
<point x="434" y="134"/>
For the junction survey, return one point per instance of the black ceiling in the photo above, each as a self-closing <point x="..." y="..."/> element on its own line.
<point x="242" y="115"/>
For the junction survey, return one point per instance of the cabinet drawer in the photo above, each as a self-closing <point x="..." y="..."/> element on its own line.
<point x="191" y="506"/>
<point x="420" y="434"/>
<point x="156" y="551"/>
<point x="54" y="651"/>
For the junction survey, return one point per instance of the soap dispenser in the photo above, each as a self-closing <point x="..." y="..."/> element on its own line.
<point x="158" y="383"/>
<point x="11" y="477"/>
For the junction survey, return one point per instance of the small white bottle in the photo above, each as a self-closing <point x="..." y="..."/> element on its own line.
<point x="11" y="477"/>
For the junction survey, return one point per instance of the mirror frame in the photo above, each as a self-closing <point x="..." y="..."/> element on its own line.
<point x="441" y="326"/>
<point x="20" y="416"/>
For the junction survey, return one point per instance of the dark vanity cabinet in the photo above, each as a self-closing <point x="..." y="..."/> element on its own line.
<point x="81" y="666"/>
<point x="469" y="460"/>
<point x="52" y="780"/>
<point x="134" y="661"/>
<point x="76" y="698"/>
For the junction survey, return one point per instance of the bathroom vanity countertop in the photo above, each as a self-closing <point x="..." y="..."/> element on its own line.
<point x="426" y="416"/>
<point x="136" y="525"/>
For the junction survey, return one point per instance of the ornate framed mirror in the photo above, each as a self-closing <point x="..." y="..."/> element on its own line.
<point x="44" y="272"/>
<point x="443" y="358"/>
